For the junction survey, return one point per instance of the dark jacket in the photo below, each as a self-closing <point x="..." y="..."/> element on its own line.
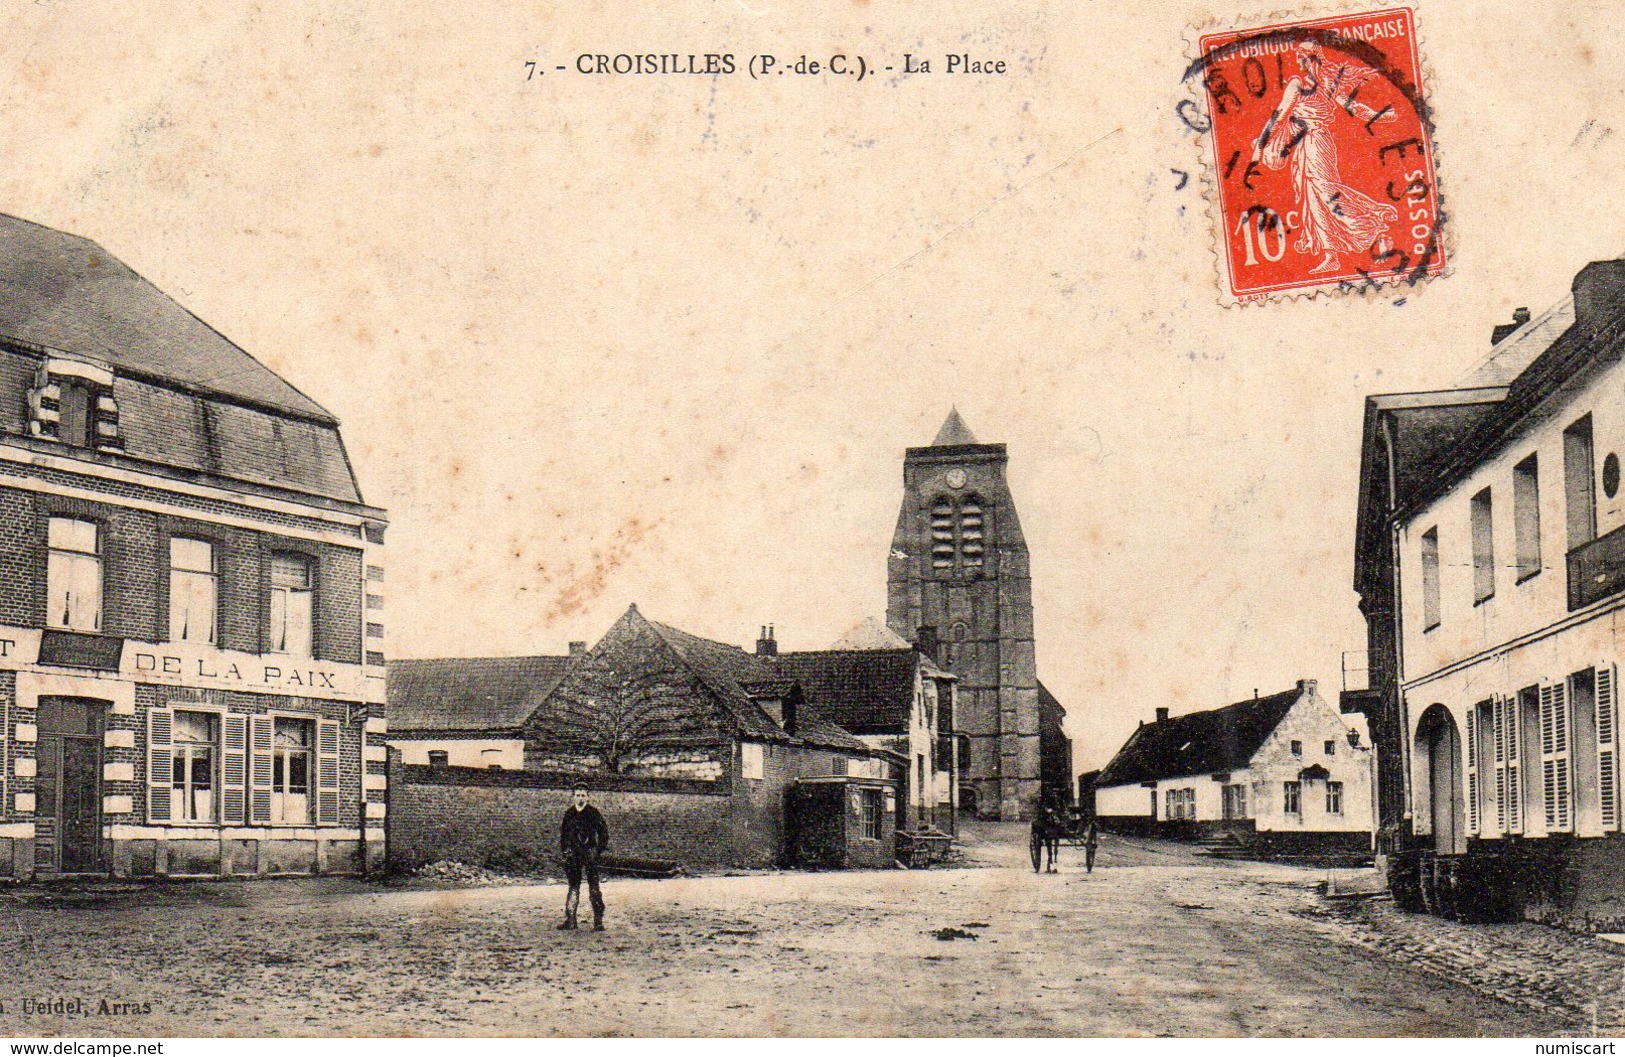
<point x="583" y="834"/>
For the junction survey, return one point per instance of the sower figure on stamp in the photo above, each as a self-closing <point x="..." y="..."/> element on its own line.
<point x="583" y="837"/>
<point x="1333" y="217"/>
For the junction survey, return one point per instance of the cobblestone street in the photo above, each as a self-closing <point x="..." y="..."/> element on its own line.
<point x="1155" y="942"/>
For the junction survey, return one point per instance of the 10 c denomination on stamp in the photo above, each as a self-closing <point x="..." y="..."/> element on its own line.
<point x="1321" y="151"/>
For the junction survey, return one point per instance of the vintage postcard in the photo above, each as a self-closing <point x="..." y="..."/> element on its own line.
<point x="755" y="520"/>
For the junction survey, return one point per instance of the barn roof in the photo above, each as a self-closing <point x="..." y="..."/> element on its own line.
<point x="469" y="693"/>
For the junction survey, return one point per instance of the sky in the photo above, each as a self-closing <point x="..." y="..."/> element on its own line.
<point x="599" y="340"/>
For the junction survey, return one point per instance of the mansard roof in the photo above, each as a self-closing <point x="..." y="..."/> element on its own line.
<point x="189" y="400"/>
<point x="66" y="293"/>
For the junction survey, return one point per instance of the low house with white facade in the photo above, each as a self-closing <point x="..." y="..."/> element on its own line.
<point x="1282" y="774"/>
<point x="468" y="711"/>
<point x="1490" y="560"/>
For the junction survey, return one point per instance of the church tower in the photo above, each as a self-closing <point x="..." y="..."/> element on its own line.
<point x="958" y="574"/>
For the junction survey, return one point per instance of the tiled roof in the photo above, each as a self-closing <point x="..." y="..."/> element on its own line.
<point x="827" y="735"/>
<point x="1223" y="739"/>
<point x="864" y="691"/>
<point x="470" y="693"/>
<point x="726" y="670"/>
<point x="66" y="293"/>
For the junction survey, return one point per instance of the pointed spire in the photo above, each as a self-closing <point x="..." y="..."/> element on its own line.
<point x="953" y="432"/>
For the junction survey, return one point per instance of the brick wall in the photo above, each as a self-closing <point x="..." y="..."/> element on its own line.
<point x="135" y="569"/>
<point x="18" y="558"/>
<point x="510" y="819"/>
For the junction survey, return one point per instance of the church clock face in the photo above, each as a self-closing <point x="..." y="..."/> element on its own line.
<point x="956" y="478"/>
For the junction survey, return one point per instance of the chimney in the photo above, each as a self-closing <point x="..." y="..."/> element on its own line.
<point x="1162" y="715"/>
<point x="1520" y="316"/>
<point x="766" y="644"/>
<point x="925" y="640"/>
<point x="1307" y="686"/>
<point x="578" y="649"/>
<point x="1599" y="291"/>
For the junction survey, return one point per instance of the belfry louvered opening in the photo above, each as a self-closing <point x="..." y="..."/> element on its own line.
<point x="958" y="532"/>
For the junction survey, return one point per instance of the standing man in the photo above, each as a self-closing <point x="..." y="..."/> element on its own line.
<point x="583" y="837"/>
<point x="1091" y="841"/>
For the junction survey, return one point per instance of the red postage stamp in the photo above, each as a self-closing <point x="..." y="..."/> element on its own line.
<point x="1322" y="155"/>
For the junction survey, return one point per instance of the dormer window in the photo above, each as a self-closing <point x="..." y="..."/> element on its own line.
<point x="73" y="403"/>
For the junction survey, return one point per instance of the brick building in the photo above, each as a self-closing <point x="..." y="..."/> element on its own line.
<point x="191" y="636"/>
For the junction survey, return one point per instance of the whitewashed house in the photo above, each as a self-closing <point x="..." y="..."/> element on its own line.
<point x="1492" y="538"/>
<point x="1283" y="774"/>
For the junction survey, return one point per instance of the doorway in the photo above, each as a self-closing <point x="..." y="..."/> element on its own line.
<point x="1439" y="743"/>
<point x="68" y="819"/>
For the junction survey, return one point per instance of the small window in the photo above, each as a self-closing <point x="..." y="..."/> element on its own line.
<point x="1293" y="798"/>
<point x="750" y="764"/>
<point x="1297" y="748"/>
<point x="292" y="605"/>
<point x="1579" y="483"/>
<point x="838" y="765"/>
<point x="193" y="591"/>
<point x="872" y="807"/>
<point x="1526" y="516"/>
<point x="439" y="758"/>
<point x="1430" y="579"/>
<point x="1334" y="798"/>
<point x="1331" y="746"/>
<point x="78" y="407"/>
<point x="73" y="575"/>
<point x="1610" y="475"/>
<point x="1483" y="530"/>
<point x="192" y="785"/>
<point x="1235" y="801"/>
<point x="492" y="758"/>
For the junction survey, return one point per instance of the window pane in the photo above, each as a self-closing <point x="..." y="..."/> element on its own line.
<point x="194" y="726"/>
<point x="290" y="571"/>
<point x="73" y="591"/>
<point x="191" y="554"/>
<point x="191" y="607"/>
<point x="292" y="733"/>
<point x="71" y="534"/>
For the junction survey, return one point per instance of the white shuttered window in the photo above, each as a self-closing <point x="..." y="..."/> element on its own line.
<point x="1607" y="704"/>
<point x="1554" y="757"/>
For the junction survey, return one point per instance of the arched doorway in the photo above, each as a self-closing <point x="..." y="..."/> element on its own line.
<point x="1438" y="748"/>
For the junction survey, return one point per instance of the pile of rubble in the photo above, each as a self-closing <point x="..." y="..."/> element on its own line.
<point x="451" y="871"/>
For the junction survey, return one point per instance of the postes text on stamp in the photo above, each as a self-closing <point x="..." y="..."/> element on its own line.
<point x="1322" y="155"/>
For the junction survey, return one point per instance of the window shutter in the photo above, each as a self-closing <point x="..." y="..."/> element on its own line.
<point x="327" y="773"/>
<point x="261" y="729"/>
<point x="1607" y="747"/>
<point x="1474" y="798"/>
<point x="1554" y="756"/>
<point x="1511" y="710"/>
<point x="1498" y="731"/>
<point x="160" y="763"/>
<point x="234" y="770"/>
